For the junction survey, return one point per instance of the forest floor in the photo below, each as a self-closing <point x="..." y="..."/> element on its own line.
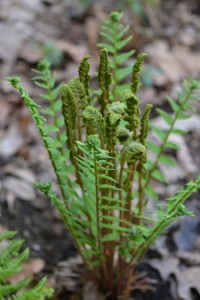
<point x="64" y="31"/>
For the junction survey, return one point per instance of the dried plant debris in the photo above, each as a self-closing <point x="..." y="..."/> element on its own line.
<point x="186" y="277"/>
<point x="18" y="182"/>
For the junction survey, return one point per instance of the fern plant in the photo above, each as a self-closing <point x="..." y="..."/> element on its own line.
<point x="105" y="175"/>
<point x="11" y="261"/>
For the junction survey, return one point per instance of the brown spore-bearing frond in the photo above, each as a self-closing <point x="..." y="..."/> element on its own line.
<point x="83" y="72"/>
<point x="145" y="124"/>
<point x="104" y="79"/>
<point x="136" y="72"/>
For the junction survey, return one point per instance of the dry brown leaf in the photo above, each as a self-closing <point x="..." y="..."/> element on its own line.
<point x="76" y="52"/>
<point x="191" y="259"/>
<point x="23" y="174"/>
<point x="91" y="292"/>
<point x="5" y="109"/>
<point x="187" y="278"/>
<point x="21" y="189"/>
<point x="31" y="267"/>
<point x="11" y="141"/>
<point x="175" y="64"/>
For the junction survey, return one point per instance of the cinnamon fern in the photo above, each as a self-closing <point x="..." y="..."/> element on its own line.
<point x="102" y="165"/>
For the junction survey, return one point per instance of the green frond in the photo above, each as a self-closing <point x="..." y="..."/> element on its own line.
<point x="11" y="261"/>
<point x="63" y="209"/>
<point x="104" y="79"/>
<point x="175" y="209"/>
<point x="39" y="292"/>
<point x="166" y="116"/>
<point x="180" y="108"/>
<point x="114" y="34"/>
<point x="136" y="72"/>
<point x="46" y="80"/>
<point x="54" y="155"/>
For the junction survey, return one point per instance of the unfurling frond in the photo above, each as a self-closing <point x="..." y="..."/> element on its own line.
<point x="136" y="72"/>
<point x="132" y="110"/>
<point x="122" y="134"/>
<point x="135" y="151"/>
<point x="104" y="79"/>
<point x="112" y="123"/>
<point x="84" y="76"/>
<point x="94" y="121"/>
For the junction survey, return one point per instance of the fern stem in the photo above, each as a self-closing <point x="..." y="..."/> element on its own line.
<point x="162" y="147"/>
<point x="122" y="164"/>
<point x="97" y="202"/>
<point x="128" y="285"/>
<point x="140" y="197"/>
<point x="127" y="214"/>
<point x="114" y="91"/>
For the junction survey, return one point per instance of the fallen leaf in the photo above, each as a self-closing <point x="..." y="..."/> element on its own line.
<point x="5" y="109"/>
<point x="31" y="267"/>
<point x="186" y="278"/>
<point x="91" y="292"/>
<point x="21" y="173"/>
<point x="11" y="141"/>
<point x="185" y="238"/>
<point x="175" y="64"/>
<point x="191" y="124"/>
<point x="76" y="52"/>
<point x="19" y="188"/>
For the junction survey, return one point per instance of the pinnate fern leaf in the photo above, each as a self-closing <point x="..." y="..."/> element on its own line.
<point x="11" y="261"/>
